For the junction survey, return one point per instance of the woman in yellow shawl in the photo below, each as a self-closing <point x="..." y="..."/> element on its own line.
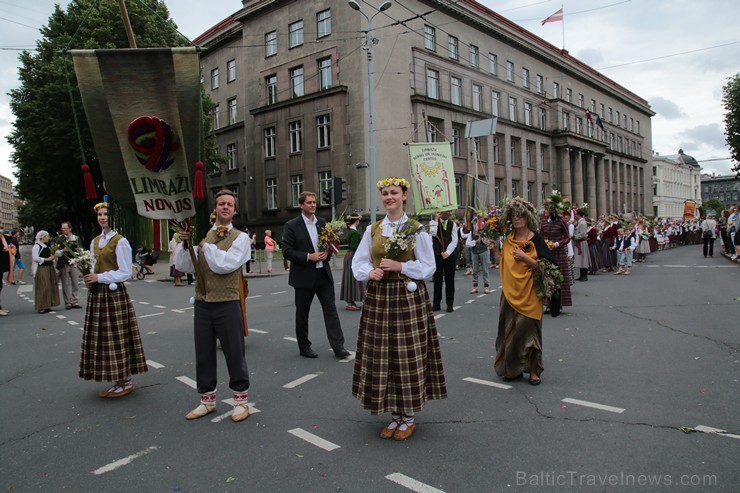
<point x="519" y="340"/>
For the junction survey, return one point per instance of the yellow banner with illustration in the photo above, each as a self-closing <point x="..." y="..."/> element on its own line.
<point x="432" y="177"/>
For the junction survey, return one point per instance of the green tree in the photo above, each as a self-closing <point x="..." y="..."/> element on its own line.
<point x="47" y="153"/>
<point x="731" y="101"/>
<point x="712" y="204"/>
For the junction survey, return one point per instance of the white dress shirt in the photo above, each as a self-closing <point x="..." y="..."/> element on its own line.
<point x="123" y="259"/>
<point x="219" y="261"/>
<point x="433" y="225"/>
<point x="313" y="232"/>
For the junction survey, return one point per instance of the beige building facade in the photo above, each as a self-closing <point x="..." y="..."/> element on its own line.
<point x="290" y="81"/>
<point x="676" y="179"/>
<point x="8" y="210"/>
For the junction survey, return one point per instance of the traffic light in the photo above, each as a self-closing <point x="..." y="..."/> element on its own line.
<point x="326" y="196"/>
<point x="340" y="190"/>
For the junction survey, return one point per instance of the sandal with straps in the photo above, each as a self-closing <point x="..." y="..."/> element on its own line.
<point x="388" y="432"/>
<point x="121" y="388"/>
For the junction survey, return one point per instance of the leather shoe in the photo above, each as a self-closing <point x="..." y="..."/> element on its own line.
<point x="436" y="308"/>
<point x="450" y="309"/>
<point x="200" y="411"/>
<point x="511" y="379"/>
<point x="76" y="306"/>
<point x="309" y="353"/>
<point x="404" y="434"/>
<point x="352" y="308"/>
<point x="341" y="353"/>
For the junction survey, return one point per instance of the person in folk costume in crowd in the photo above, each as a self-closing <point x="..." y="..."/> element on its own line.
<point x="352" y="290"/>
<point x="624" y="245"/>
<point x="45" y="283"/>
<point x="218" y="306"/>
<point x="444" y="235"/>
<point x="643" y="241"/>
<point x="174" y="273"/>
<point x="568" y="217"/>
<point x="398" y="365"/>
<point x="519" y="339"/>
<point x="581" y="260"/>
<point x="594" y="249"/>
<point x="7" y="245"/>
<point x="608" y="237"/>
<point x="69" y="275"/>
<point x="555" y="230"/>
<point x="111" y="344"/>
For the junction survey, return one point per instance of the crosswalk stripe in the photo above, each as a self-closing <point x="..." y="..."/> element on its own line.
<point x="314" y="439"/>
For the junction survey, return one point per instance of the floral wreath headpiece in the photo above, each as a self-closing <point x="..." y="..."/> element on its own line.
<point x="387" y="182"/>
<point x="519" y="206"/>
<point x="100" y="205"/>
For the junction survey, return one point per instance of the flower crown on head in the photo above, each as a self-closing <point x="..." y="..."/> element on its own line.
<point x="100" y="205"/>
<point x="387" y="182"/>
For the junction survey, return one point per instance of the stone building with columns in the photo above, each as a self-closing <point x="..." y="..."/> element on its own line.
<point x="290" y="81"/>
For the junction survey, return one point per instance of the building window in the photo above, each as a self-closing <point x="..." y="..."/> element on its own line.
<point x="580" y="100"/>
<point x="528" y="114"/>
<point x="296" y="136"/>
<point x="632" y="124"/>
<point x="476" y="145"/>
<point x="496" y="153"/>
<point x="492" y="64"/>
<point x="430" y="38"/>
<point x="540" y="84"/>
<point x="610" y="119"/>
<point x="495" y="103"/>
<point x="618" y="118"/>
<point x="593" y="106"/>
<point x="296" y="188"/>
<point x="456" y="90"/>
<point x="624" y="124"/>
<point x="214" y="79"/>
<point x="514" y="153"/>
<point x="232" y="111"/>
<point x="497" y="191"/>
<point x="458" y="185"/>
<point x="512" y="109"/>
<point x="325" y="183"/>
<point x="590" y="128"/>
<point x="515" y="188"/>
<point x="296" y="82"/>
<point x="270" y="44"/>
<point x="296" y="34"/>
<point x="530" y="186"/>
<point x="216" y="117"/>
<point x="544" y="162"/>
<point x="474" y="58"/>
<point x="231" y="71"/>
<point x="272" y="193"/>
<point x="270" y="147"/>
<point x="543" y="192"/>
<point x="323" y="129"/>
<point x="510" y="71"/>
<point x="453" y="47"/>
<point x="271" y="89"/>
<point x="525" y="78"/>
<point x="325" y="73"/>
<point x="555" y="90"/>
<point x="543" y="119"/>
<point x="231" y="155"/>
<point x="477" y="97"/>
<point x="601" y="111"/>
<point x="612" y="142"/>
<point x="569" y="95"/>
<point x="432" y="132"/>
<point x="579" y="125"/>
<point x="637" y="127"/>
<point x="529" y="155"/>
<point x="456" y="136"/>
<point x="566" y="120"/>
<point x="432" y="84"/>
<point x="323" y="23"/>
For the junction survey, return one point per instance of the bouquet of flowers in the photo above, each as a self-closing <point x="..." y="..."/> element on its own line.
<point x="550" y="244"/>
<point x="489" y="223"/>
<point x="328" y="239"/>
<point x="82" y="259"/>
<point x="547" y="279"/>
<point x="401" y="240"/>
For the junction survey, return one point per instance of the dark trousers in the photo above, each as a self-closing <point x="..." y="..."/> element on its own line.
<point x="445" y="271"/>
<point x="222" y="321"/>
<point x="708" y="246"/>
<point x="727" y="241"/>
<point x="324" y="289"/>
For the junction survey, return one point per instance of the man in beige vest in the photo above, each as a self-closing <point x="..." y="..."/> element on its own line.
<point x="224" y="251"/>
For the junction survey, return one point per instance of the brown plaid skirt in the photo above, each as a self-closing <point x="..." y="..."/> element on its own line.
<point x="398" y="366"/>
<point x="111" y="344"/>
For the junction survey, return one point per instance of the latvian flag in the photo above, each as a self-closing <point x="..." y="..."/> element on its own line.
<point x="557" y="16"/>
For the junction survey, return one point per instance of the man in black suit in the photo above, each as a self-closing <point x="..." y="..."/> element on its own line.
<point x="310" y="274"/>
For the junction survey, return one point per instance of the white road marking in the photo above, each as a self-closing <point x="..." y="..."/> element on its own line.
<point x="290" y="339"/>
<point x="652" y="266"/>
<point x="252" y="410"/>
<point x="61" y="317"/>
<point x="667" y="265"/>
<point x="257" y="331"/>
<point x="481" y="295"/>
<point x="154" y="364"/>
<point x="178" y="311"/>
<point x="72" y="322"/>
<point x="715" y="431"/>
<point x="122" y="462"/>
<point x="437" y="317"/>
<point x="144" y="303"/>
<point x="159" y="306"/>
<point x="25" y="289"/>
<point x="188" y="381"/>
<point x="303" y="379"/>
<point x="487" y="383"/>
<point x="313" y="439"/>
<point x="279" y="292"/>
<point x="411" y="483"/>
<point x="594" y="405"/>
<point x="151" y="315"/>
<point x="30" y="301"/>
<point x="255" y="296"/>
<point x="457" y="307"/>
<point x="469" y="302"/>
<point x="149" y="280"/>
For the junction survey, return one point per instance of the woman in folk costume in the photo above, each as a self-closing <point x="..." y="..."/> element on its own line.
<point x="111" y="344"/>
<point x="398" y="365"/>
<point x="45" y="282"/>
<point x="555" y="231"/>
<point x="594" y="247"/>
<point x="352" y="290"/>
<point x="582" y="261"/>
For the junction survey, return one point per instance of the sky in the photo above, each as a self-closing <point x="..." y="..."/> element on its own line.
<point x="676" y="54"/>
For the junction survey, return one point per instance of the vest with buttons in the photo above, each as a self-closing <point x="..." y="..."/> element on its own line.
<point x="215" y="288"/>
<point x="379" y="241"/>
<point x="105" y="258"/>
<point x="443" y="238"/>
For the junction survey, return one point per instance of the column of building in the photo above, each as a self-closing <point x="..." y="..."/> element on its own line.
<point x="564" y="168"/>
<point x="592" y="184"/>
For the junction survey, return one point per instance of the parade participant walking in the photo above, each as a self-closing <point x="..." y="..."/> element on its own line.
<point x="444" y="240"/>
<point x="111" y="345"/>
<point x="398" y="365"/>
<point x="69" y="275"/>
<point x="582" y="260"/>
<point x="218" y="306"/>
<point x="352" y="290"/>
<point x="45" y="283"/>
<point x="554" y="230"/>
<point x="310" y="275"/>
<point x="519" y="339"/>
<point x="478" y="247"/>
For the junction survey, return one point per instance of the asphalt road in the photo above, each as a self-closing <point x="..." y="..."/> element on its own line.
<point x="635" y="361"/>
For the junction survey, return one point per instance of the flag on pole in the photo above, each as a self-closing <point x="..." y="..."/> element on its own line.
<point x="557" y="16"/>
<point x="588" y="117"/>
<point x="598" y="122"/>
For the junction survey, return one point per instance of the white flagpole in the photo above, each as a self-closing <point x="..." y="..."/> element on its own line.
<point x="563" y="23"/>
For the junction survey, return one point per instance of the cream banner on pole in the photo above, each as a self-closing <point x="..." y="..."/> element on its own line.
<point x="142" y="106"/>
<point x="432" y="177"/>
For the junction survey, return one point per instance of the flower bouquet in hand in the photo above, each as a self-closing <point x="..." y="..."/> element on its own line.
<point x="547" y="279"/>
<point x="82" y="259"/>
<point x="401" y="240"/>
<point x="328" y="239"/>
<point x="489" y="224"/>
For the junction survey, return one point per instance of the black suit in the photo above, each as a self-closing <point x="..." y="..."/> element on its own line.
<point x="308" y="280"/>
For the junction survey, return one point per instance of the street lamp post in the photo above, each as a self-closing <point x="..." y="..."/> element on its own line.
<point x="370" y="41"/>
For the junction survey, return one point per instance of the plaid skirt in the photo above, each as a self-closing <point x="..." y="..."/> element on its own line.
<point x="398" y="365"/>
<point x="352" y="290"/>
<point x="111" y="344"/>
<point x="45" y="287"/>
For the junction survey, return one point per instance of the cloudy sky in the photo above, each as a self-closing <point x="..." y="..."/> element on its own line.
<point x="677" y="54"/>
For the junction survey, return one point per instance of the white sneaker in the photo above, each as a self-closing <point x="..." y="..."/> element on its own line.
<point x="3" y="313"/>
<point x="488" y="290"/>
<point x="474" y="290"/>
<point x="21" y="282"/>
<point x="733" y="257"/>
